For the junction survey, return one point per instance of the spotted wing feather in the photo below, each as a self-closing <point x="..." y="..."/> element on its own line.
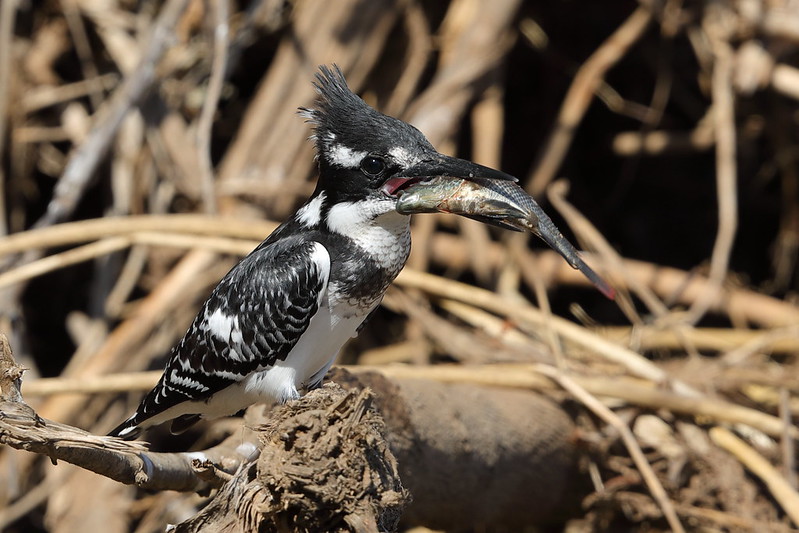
<point x="253" y="319"/>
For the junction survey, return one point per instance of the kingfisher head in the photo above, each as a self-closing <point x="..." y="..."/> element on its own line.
<point x="365" y="157"/>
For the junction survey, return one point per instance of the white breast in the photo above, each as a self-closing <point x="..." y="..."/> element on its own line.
<point x="376" y="227"/>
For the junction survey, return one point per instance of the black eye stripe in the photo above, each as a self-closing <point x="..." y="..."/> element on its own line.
<point x="372" y="165"/>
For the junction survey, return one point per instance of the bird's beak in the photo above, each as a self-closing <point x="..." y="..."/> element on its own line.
<point x="440" y="165"/>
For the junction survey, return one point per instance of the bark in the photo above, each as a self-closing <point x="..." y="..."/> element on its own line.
<point x="325" y="466"/>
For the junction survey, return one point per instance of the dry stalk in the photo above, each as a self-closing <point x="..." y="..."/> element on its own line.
<point x="582" y="89"/>
<point x="7" y="14"/>
<point x="219" y="17"/>
<point x="84" y="161"/>
<point x="726" y="170"/>
<point x="517" y="375"/>
<point x="586" y="231"/>
<point x="89" y="230"/>
<point x="635" y="363"/>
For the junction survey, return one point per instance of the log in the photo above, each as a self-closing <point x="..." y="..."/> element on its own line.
<point x="474" y="456"/>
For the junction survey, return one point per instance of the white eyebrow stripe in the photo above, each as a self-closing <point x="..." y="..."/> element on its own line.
<point x="403" y="157"/>
<point x="340" y="155"/>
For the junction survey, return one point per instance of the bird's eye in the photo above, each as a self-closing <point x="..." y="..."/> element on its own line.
<point x="372" y="165"/>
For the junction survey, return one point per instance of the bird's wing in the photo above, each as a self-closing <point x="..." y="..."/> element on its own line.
<point x="253" y="318"/>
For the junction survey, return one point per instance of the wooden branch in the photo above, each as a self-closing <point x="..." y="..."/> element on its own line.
<point x="8" y="12"/>
<point x="726" y="165"/>
<point x="126" y="462"/>
<point x="89" y="230"/>
<point x="739" y="342"/>
<point x="219" y="22"/>
<point x="661" y="143"/>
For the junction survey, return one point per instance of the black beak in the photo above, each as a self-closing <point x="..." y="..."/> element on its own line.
<point x="452" y="167"/>
<point x="440" y="165"/>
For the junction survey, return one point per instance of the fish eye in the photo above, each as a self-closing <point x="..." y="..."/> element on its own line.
<point x="372" y="165"/>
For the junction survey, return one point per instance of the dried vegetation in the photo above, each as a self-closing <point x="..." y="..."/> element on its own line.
<point x="145" y="145"/>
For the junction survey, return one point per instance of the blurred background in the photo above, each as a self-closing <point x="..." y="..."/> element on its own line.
<point x="662" y="136"/>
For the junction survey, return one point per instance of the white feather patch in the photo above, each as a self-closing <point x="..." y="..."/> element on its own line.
<point x="310" y="214"/>
<point x="186" y="382"/>
<point x="403" y="157"/>
<point x="221" y="325"/>
<point x="321" y="257"/>
<point x="347" y="218"/>
<point x="340" y="155"/>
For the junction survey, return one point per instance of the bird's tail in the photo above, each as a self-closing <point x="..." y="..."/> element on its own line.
<point x="127" y="430"/>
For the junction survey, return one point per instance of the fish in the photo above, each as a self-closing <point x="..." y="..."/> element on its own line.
<point x="496" y="202"/>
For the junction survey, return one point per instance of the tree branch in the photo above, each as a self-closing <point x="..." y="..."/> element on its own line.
<point x="126" y="462"/>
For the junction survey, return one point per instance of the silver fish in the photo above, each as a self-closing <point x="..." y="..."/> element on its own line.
<point x="496" y="202"/>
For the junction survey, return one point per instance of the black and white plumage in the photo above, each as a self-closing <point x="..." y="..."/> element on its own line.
<point x="275" y="323"/>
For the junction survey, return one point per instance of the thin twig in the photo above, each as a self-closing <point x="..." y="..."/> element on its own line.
<point x="418" y="49"/>
<point x="214" y="90"/>
<point x="787" y="441"/>
<point x="726" y="173"/>
<point x="109" y="383"/>
<point x="45" y="96"/>
<point x="635" y="363"/>
<point x="585" y="230"/>
<point x="114" y="244"/>
<point x="779" y="340"/>
<point x="8" y="11"/>
<point x="82" y="46"/>
<point x="93" y="229"/>
<point x="529" y="271"/>
<point x="731" y="521"/>
<point x="580" y="94"/>
<point x="515" y="375"/>
<point x="61" y="260"/>
<point x="666" y="282"/>
<point x="743" y="350"/>
<point x="81" y="166"/>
